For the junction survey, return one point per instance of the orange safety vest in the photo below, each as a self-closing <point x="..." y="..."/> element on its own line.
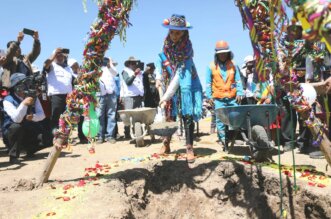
<point x="221" y="89"/>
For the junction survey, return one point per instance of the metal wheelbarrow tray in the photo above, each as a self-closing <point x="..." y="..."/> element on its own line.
<point x="135" y="118"/>
<point x="256" y="119"/>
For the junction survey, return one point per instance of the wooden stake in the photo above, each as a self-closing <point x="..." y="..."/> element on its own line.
<point x="50" y="162"/>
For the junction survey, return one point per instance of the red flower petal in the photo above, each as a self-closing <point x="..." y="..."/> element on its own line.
<point x="98" y="166"/>
<point x="311" y="183"/>
<point x="66" y="198"/>
<point x="69" y="186"/>
<point x="321" y="185"/>
<point x="81" y="183"/>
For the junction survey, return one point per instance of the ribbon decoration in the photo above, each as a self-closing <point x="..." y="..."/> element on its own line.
<point x="113" y="19"/>
<point x="315" y="18"/>
<point x="264" y="20"/>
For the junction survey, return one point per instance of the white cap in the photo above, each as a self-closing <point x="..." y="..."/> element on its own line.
<point x="71" y="62"/>
<point x="249" y="58"/>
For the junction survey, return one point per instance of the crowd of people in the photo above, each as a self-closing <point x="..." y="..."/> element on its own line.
<point x="30" y="113"/>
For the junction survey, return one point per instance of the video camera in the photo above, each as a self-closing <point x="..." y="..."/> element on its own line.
<point x="35" y="83"/>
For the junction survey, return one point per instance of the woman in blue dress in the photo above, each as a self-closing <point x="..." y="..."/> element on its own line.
<point x="177" y="76"/>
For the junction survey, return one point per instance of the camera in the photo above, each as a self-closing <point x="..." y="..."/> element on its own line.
<point x="65" y="51"/>
<point x="28" y="31"/>
<point x="141" y="65"/>
<point x="34" y="83"/>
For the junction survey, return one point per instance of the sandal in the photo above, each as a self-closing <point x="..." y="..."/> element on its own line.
<point x="190" y="157"/>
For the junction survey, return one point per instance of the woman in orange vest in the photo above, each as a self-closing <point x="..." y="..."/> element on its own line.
<point x="223" y="84"/>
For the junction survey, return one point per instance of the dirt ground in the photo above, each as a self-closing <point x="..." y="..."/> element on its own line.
<point x="123" y="181"/>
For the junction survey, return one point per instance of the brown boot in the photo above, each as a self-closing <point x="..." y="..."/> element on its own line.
<point x="190" y="158"/>
<point x="165" y="149"/>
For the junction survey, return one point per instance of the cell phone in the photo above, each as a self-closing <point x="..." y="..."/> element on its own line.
<point x="141" y="65"/>
<point x="28" y="32"/>
<point x="66" y="51"/>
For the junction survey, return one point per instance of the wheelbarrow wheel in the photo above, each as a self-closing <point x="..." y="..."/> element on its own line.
<point x="260" y="136"/>
<point x="139" y="134"/>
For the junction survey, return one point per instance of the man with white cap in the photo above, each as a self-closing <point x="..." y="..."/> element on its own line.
<point x="73" y="64"/>
<point x="20" y="125"/>
<point x="249" y="85"/>
<point x="59" y="83"/>
<point x="223" y="84"/>
<point x="107" y="102"/>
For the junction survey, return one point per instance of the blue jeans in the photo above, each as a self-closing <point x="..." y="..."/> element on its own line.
<point x="220" y="103"/>
<point x="107" y="115"/>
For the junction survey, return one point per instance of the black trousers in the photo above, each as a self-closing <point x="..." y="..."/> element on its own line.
<point x="58" y="105"/>
<point x="117" y="117"/>
<point x="287" y="129"/>
<point x="81" y="135"/>
<point x="30" y="136"/>
<point x="189" y="129"/>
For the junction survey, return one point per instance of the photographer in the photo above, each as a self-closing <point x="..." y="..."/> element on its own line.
<point x="59" y="83"/>
<point x="16" y="62"/>
<point x="20" y="127"/>
<point x="132" y="89"/>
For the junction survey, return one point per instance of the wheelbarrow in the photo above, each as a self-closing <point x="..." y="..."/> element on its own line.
<point x="139" y="120"/>
<point x="256" y="119"/>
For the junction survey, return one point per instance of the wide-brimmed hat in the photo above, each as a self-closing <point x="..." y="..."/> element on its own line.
<point x="176" y="22"/>
<point x="16" y="78"/>
<point x="130" y="60"/>
<point x="150" y="65"/>
<point x="222" y="47"/>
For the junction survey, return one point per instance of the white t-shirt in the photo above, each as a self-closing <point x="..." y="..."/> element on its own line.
<point x="59" y="80"/>
<point x="107" y="81"/>
<point x="136" y="88"/>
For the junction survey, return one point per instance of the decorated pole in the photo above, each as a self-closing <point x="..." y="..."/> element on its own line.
<point x="315" y="18"/>
<point x="112" y="19"/>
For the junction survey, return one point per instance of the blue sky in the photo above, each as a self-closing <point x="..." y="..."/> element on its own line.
<point x="63" y="23"/>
